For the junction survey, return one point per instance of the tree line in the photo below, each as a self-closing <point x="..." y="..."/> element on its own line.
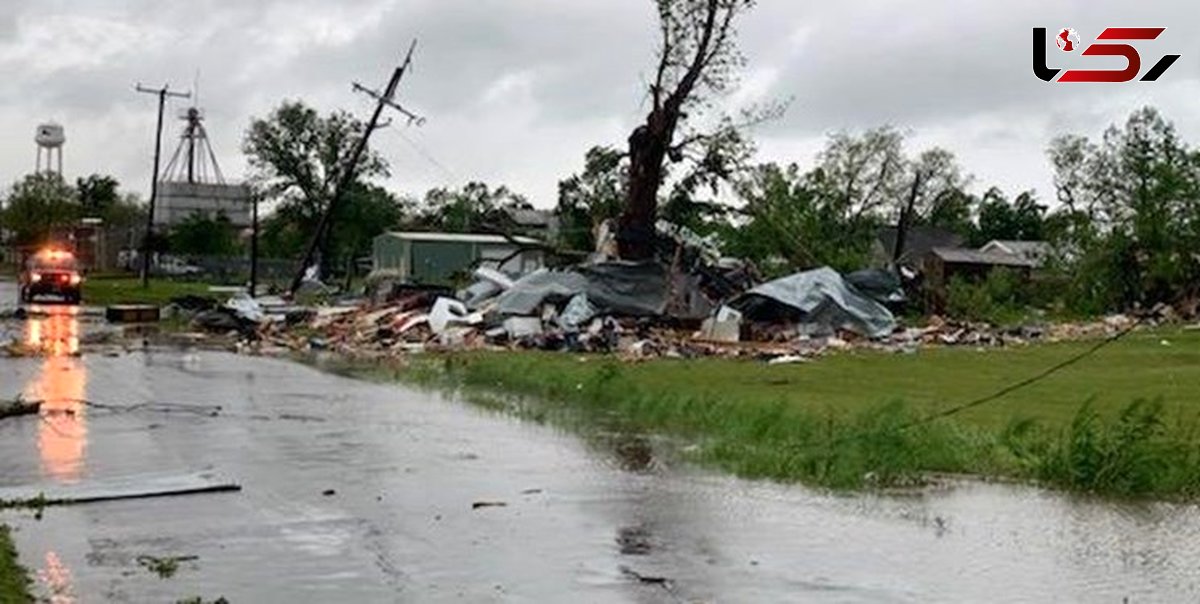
<point x="1124" y="222"/>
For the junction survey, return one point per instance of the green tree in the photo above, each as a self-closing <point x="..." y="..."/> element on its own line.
<point x="1022" y="219"/>
<point x="297" y="157"/>
<point x="788" y="224"/>
<point x="202" y="235"/>
<point x="368" y="210"/>
<point x="476" y="207"/>
<point x="38" y="206"/>
<point x="97" y="194"/>
<point x="716" y="160"/>
<point x="871" y="174"/>
<point x="859" y="175"/>
<point x="1132" y="205"/>
<point x="954" y="211"/>
<point x="587" y="199"/>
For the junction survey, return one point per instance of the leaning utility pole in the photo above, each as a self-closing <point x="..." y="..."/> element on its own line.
<point x="254" y="245"/>
<point x="162" y="93"/>
<point x="382" y="99"/>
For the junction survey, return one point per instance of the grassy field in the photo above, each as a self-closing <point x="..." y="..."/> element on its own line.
<point x="103" y="291"/>
<point x="14" y="582"/>
<point x="1122" y="422"/>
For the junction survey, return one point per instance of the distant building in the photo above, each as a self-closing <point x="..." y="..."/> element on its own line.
<point x="437" y="258"/>
<point x="179" y="200"/>
<point x="943" y="265"/>
<point x="542" y="224"/>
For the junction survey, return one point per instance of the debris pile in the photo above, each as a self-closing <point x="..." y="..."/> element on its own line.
<point x="688" y="302"/>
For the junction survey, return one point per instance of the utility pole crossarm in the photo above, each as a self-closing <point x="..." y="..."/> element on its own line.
<point x="412" y="117"/>
<point x="165" y="91"/>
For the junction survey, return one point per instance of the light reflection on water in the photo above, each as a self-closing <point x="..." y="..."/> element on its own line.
<point x="61" y="385"/>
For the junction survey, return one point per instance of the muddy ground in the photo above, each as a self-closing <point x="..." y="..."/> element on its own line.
<point x="362" y="492"/>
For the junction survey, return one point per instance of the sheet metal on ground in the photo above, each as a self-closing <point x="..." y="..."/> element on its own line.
<point x="407" y="467"/>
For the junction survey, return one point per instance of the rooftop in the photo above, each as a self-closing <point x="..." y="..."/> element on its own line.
<point x="958" y="255"/>
<point x="918" y="242"/>
<point x="461" y="237"/>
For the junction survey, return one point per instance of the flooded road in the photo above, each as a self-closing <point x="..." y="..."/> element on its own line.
<point x="358" y="492"/>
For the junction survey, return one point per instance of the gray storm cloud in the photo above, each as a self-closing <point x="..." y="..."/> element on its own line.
<point x="517" y="90"/>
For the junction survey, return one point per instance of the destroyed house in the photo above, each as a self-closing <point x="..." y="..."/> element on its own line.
<point x="439" y="258"/>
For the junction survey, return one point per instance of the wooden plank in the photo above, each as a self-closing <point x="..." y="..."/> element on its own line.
<point x="134" y="487"/>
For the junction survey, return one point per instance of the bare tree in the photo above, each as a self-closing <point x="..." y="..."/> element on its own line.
<point x="697" y="57"/>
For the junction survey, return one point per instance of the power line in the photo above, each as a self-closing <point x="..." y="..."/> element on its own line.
<point x="427" y="156"/>
<point x="994" y="396"/>
<point x="1026" y="382"/>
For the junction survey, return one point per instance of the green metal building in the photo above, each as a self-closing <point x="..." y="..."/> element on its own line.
<point x="437" y="258"/>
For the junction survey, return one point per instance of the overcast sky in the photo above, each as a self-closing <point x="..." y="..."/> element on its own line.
<point x="517" y="90"/>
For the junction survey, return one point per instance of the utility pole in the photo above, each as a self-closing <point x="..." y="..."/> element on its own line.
<point x="254" y="245"/>
<point x="162" y="94"/>
<point x="383" y="99"/>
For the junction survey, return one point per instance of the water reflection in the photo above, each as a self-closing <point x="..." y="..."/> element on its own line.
<point x="56" y="576"/>
<point x="60" y="384"/>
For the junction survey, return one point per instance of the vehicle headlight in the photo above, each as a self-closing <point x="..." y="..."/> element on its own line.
<point x="35" y="277"/>
<point x="75" y="279"/>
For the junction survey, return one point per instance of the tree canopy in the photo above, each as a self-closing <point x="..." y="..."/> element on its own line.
<point x="297" y="157"/>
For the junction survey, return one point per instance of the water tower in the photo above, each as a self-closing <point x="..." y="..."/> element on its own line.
<point x="50" y="138"/>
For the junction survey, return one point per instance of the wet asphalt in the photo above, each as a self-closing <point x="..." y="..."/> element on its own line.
<point x="361" y="492"/>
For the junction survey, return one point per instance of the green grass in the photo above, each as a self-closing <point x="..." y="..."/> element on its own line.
<point x="14" y="582"/>
<point x="1122" y="422"/>
<point x="105" y="291"/>
<point x="1139" y="367"/>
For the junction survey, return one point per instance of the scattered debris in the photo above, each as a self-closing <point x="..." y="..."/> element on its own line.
<point x="789" y="359"/>
<point x="16" y="349"/>
<point x="646" y="579"/>
<point x="634" y="541"/>
<point x="132" y="313"/>
<point x="165" y="567"/>
<point x="19" y="407"/>
<point x="488" y="504"/>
